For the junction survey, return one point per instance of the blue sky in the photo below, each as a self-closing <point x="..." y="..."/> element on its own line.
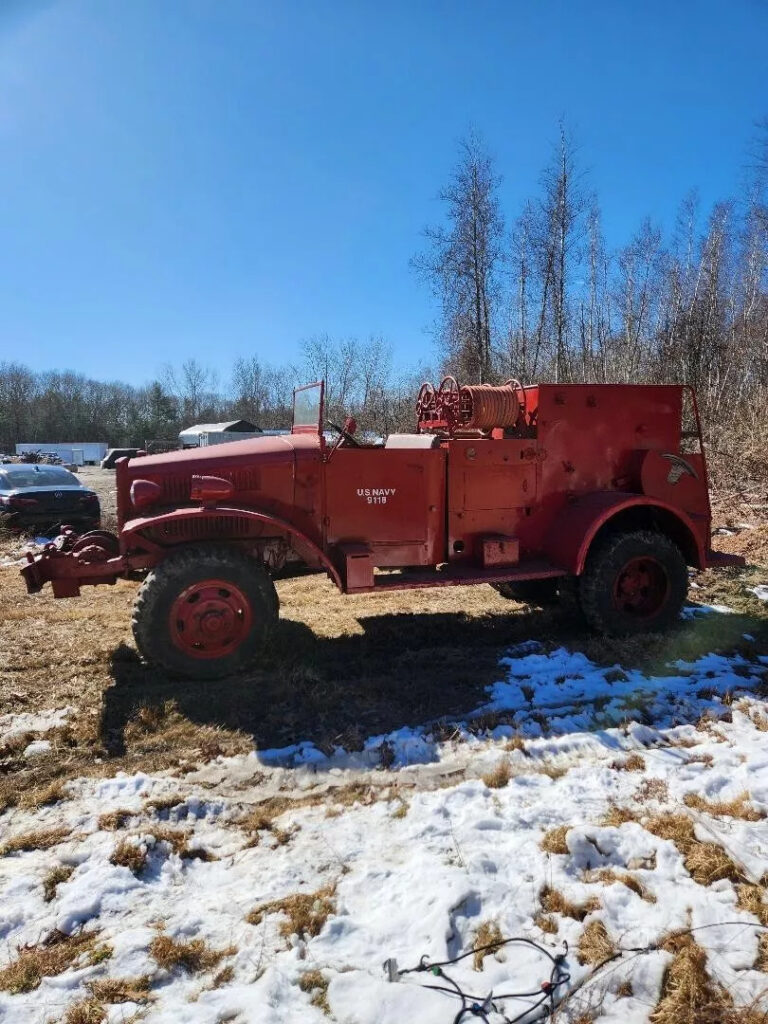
<point x="215" y="178"/>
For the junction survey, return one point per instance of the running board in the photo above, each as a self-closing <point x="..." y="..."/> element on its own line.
<point x="459" y="575"/>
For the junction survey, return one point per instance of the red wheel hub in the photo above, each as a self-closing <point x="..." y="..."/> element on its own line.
<point x="641" y="588"/>
<point x="210" y="619"/>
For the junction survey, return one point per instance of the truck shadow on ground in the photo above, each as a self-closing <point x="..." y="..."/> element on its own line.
<point x="401" y="670"/>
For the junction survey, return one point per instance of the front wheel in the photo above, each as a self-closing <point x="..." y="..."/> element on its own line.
<point x="204" y="612"/>
<point x="633" y="583"/>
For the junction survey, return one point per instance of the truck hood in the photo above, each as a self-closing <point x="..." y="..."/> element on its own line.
<point x="271" y="449"/>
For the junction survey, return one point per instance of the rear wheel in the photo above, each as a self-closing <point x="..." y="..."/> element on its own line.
<point x="204" y="612"/>
<point x="539" y="592"/>
<point x="633" y="583"/>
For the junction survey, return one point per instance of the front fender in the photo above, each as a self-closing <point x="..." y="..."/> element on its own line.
<point x="132" y="532"/>
<point x="578" y="524"/>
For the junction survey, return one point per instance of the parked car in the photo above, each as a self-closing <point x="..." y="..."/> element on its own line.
<point x="110" y="459"/>
<point x="45" y="498"/>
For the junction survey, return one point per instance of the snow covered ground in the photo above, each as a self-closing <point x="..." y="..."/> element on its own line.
<point x="303" y="873"/>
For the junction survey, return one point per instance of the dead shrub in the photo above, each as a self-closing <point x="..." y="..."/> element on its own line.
<point x="121" y="990"/>
<point x="595" y="944"/>
<point x="58" y="874"/>
<point x="738" y="807"/>
<point x="193" y="956"/>
<point x="49" y="958"/>
<point x="553" y="840"/>
<point x="305" y="912"/>
<point x="313" y="982"/>
<point x="499" y="776"/>
<point x="554" y="902"/>
<point x="487" y="934"/>
<point x="633" y="763"/>
<point x="37" y="839"/>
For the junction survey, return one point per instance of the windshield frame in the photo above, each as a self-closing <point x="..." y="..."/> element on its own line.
<point x="310" y="412"/>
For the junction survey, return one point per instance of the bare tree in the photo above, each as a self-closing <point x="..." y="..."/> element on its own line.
<point x="462" y="261"/>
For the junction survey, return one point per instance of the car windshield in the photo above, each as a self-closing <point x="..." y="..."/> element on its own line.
<point x="307" y="403"/>
<point x="13" y="477"/>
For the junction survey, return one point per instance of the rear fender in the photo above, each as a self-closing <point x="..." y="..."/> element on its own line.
<point x="132" y="532"/>
<point x="578" y="526"/>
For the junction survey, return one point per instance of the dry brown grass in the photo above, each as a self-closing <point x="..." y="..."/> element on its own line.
<point x="488" y="934"/>
<point x="688" y="993"/>
<point x="315" y="983"/>
<point x="121" y="990"/>
<point x="36" y="839"/>
<point x="546" y="922"/>
<point x="305" y="912"/>
<point x="56" y="954"/>
<point x="761" y="960"/>
<point x="224" y="976"/>
<point x="608" y="876"/>
<point x="625" y="990"/>
<point x="111" y="821"/>
<point x="553" y="840"/>
<point x="193" y="957"/>
<point x="499" y="776"/>
<point x="133" y="851"/>
<point x="87" y="1011"/>
<point x="58" y="874"/>
<point x="616" y="816"/>
<point x="595" y="944"/>
<point x="131" y="854"/>
<point x="706" y="862"/>
<point x="652" y="789"/>
<point x="738" y="807"/>
<point x="554" y="902"/>
<point x="751" y="898"/>
<point x="633" y="763"/>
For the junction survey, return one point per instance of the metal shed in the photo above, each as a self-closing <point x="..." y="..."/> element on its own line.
<point x="202" y="434"/>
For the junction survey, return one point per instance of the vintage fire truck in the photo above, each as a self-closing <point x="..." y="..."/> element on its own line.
<point x="592" y="489"/>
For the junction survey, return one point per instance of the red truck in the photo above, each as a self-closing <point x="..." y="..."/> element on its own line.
<point x="533" y="490"/>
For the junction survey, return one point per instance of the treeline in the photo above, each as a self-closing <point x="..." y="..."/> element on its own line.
<point x="539" y="295"/>
<point x="534" y="293"/>
<point x="64" y="406"/>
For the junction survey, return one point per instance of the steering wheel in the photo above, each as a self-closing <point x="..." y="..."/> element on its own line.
<point x="350" y="438"/>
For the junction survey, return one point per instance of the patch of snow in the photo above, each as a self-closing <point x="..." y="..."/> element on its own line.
<point x="14" y="725"/>
<point x="36" y="748"/>
<point x="416" y="872"/>
<point x="760" y="591"/>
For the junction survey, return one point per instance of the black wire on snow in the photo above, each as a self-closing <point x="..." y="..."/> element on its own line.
<point x="481" y="1006"/>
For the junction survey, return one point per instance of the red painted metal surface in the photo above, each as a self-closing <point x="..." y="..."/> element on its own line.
<point x="518" y="484"/>
<point x="210" y="619"/>
<point x="641" y="588"/>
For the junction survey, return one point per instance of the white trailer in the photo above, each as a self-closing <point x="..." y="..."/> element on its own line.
<point x="72" y="453"/>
